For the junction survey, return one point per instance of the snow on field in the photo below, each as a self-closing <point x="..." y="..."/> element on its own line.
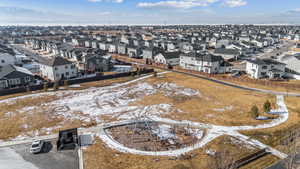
<point x="173" y="89"/>
<point x="227" y="108"/>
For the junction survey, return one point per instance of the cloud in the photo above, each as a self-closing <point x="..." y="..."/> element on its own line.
<point x="293" y="11"/>
<point x="115" y="1"/>
<point x="177" y="3"/>
<point x="234" y="3"/>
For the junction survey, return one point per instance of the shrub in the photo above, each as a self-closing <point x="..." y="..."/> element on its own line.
<point x="45" y="86"/>
<point x="66" y="83"/>
<point x="155" y="74"/>
<point x="56" y="85"/>
<point x="267" y="106"/>
<point x="254" y="111"/>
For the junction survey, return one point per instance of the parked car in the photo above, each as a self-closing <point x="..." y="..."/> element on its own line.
<point x="37" y="146"/>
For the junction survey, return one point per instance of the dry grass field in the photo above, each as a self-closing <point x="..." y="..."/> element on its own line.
<point x="98" y="156"/>
<point x="261" y="86"/>
<point x="217" y="104"/>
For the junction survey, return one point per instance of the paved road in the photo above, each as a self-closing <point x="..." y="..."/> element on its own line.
<point x="285" y="48"/>
<point x="19" y="157"/>
<point x="28" y="53"/>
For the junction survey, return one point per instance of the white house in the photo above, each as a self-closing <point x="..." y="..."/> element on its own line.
<point x="58" y="68"/>
<point x="265" y="68"/>
<point x="292" y="63"/>
<point x="167" y="58"/>
<point x="7" y="59"/>
<point x="203" y="62"/>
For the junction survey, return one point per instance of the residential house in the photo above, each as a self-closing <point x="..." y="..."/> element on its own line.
<point x="167" y="58"/>
<point x="265" y="68"/>
<point x="14" y="76"/>
<point x="122" y="48"/>
<point x="227" y="53"/>
<point x="148" y="52"/>
<point x="58" y="68"/>
<point x="292" y="63"/>
<point x="203" y="62"/>
<point x="97" y="63"/>
<point x="134" y="52"/>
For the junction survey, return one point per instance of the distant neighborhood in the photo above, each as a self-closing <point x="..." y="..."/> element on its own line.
<point x="33" y="55"/>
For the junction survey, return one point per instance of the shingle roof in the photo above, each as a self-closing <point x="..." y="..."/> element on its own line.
<point x="6" y="70"/>
<point x="205" y="57"/>
<point x="227" y="51"/>
<point x="171" y="55"/>
<point x="56" y="61"/>
<point x="265" y="62"/>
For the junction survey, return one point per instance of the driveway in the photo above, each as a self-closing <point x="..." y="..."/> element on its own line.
<point x="19" y="157"/>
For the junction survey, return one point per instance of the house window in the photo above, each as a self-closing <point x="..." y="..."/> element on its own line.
<point x="66" y="67"/>
<point x="265" y="67"/>
<point x="67" y="73"/>
<point x="72" y="66"/>
<point x="2" y="61"/>
<point x="55" y="68"/>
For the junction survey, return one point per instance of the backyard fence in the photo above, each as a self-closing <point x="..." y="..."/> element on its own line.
<point x="4" y="92"/>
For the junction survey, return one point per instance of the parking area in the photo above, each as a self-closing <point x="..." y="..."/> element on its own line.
<point x="19" y="157"/>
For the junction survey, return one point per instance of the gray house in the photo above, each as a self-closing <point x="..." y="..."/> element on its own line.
<point x="14" y="76"/>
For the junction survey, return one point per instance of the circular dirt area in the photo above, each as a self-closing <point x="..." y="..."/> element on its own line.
<point x="154" y="136"/>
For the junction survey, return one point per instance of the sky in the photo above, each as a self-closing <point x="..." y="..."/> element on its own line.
<point x="117" y="12"/>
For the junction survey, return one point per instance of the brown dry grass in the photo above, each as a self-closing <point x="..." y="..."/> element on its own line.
<point x="98" y="156"/>
<point x="274" y="88"/>
<point x="213" y="96"/>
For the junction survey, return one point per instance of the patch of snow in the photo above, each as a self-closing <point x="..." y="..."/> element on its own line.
<point x="164" y="132"/>
<point x="210" y="152"/>
<point x="75" y="86"/>
<point x="227" y="108"/>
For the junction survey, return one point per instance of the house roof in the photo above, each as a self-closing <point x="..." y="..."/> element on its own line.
<point x="265" y="62"/>
<point x="171" y="55"/>
<point x="205" y="57"/>
<point x="227" y="51"/>
<point x="56" y="61"/>
<point x="6" y="70"/>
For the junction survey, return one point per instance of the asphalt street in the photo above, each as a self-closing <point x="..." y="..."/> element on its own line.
<point x="19" y="157"/>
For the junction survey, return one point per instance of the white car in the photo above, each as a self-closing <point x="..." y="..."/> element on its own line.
<point x="36" y="146"/>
